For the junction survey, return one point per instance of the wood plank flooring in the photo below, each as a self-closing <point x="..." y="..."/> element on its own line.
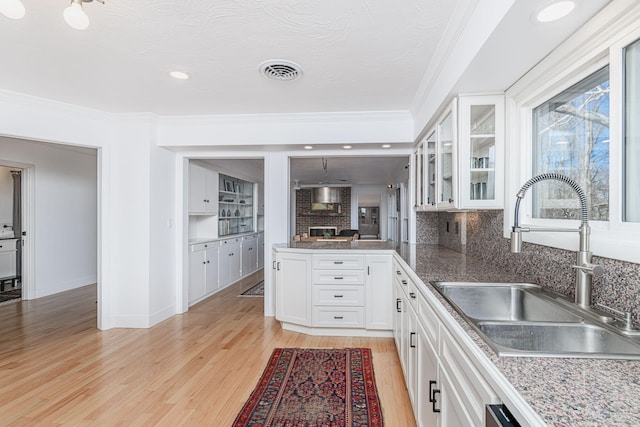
<point x="195" y="369"/>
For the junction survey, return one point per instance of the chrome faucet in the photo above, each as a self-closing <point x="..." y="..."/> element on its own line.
<point x="585" y="270"/>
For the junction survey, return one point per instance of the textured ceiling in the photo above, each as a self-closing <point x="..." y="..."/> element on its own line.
<point x="356" y="55"/>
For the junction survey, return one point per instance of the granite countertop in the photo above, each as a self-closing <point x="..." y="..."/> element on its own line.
<point x="337" y="244"/>
<point x="197" y="240"/>
<point x="564" y="391"/>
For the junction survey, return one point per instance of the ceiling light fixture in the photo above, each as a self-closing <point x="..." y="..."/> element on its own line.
<point x="13" y="9"/>
<point x="308" y="147"/>
<point x="555" y="11"/>
<point x="180" y="75"/>
<point x="346" y="147"/>
<point x="386" y="146"/>
<point x="75" y="15"/>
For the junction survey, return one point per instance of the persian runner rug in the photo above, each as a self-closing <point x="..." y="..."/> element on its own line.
<point x="256" y="290"/>
<point x="314" y="388"/>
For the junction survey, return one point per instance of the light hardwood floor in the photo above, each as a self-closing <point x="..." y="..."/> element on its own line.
<point x="195" y="369"/>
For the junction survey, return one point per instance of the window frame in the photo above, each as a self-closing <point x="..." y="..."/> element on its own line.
<point x="577" y="58"/>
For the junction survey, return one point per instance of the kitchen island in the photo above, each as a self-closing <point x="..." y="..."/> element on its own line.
<point x="539" y="391"/>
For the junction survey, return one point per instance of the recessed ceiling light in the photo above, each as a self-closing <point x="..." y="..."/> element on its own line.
<point x="386" y="146"/>
<point x="555" y="11"/>
<point x="308" y="147"/>
<point x="13" y="9"/>
<point x="180" y="75"/>
<point x="346" y="147"/>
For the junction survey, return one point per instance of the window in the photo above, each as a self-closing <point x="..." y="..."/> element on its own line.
<point x="571" y="137"/>
<point x="631" y="58"/>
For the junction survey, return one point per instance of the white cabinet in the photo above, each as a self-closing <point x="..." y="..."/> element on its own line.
<point x="293" y="287"/>
<point x="203" y="190"/>
<point x="379" y="312"/>
<point x="460" y="163"/>
<point x="444" y="386"/>
<point x="338" y="290"/>
<point x="8" y="257"/>
<point x="446" y="164"/>
<point x="230" y="261"/>
<point x="260" y="250"/>
<point x="338" y="278"/>
<point x="481" y="142"/>
<point x="249" y="254"/>
<point x="203" y="270"/>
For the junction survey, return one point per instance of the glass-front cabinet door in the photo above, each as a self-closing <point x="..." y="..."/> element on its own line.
<point x="481" y="142"/>
<point x="446" y="175"/>
<point x="419" y="175"/>
<point x="430" y="170"/>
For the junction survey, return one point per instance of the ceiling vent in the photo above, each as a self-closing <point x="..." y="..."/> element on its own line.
<point x="281" y="70"/>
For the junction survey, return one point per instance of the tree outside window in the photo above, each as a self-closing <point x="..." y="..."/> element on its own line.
<point x="571" y="137"/>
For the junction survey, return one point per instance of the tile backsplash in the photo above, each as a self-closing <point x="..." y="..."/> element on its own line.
<point x="480" y="235"/>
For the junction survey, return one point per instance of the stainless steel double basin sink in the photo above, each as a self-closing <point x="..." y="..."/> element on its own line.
<point x="523" y="319"/>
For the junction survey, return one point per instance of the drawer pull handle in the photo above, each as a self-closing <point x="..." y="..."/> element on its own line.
<point x="398" y="272"/>
<point x="338" y="317"/>
<point x="338" y="262"/>
<point x="412" y="295"/>
<point x="338" y="278"/>
<point x="411" y="335"/>
<point x="398" y="308"/>
<point x="433" y="404"/>
<point x="431" y="384"/>
<point x="338" y="296"/>
<point x="404" y="282"/>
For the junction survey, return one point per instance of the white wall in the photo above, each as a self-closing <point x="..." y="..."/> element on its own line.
<point x="65" y="237"/>
<point x="6" y="196"/>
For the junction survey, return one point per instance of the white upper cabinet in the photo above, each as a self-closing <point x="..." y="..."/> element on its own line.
<point x="460" y="163"/>
<point x="446" y="164"/>
<point x="203" y="190"/>
<point x="481" y="142"/>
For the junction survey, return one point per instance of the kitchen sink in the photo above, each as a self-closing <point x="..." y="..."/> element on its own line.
<point x="558" y="339"/>
<point x="501" y="301"/>
<point x="524" y="319"/>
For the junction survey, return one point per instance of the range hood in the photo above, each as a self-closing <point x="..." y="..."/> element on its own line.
<point x="326" y="195"/>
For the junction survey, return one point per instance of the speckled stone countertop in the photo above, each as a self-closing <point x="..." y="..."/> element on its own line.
<point x="564" y="391"/>
<point x="338" y="245"/>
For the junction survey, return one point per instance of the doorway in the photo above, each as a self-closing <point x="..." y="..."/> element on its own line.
<point x="10" y="234"/>
<point x="369" y="222"/>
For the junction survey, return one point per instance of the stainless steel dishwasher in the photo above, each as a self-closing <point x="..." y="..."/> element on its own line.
<point x="499" y="416"/>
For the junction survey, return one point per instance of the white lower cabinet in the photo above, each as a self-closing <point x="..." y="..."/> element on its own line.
<point x="341" y="290"/>
<point x="203" y="270"/>
<point x="230" y="261"/>
<point x="249" y="254"/>
<point x="217" y="264"/>
<point x="445" y="388"/>
<point x="293" y="287"/>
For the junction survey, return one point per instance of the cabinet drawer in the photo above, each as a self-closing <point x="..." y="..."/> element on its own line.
<point x="334" y="317"/>
<point x="338" y="296"/>
<point x="341" y="262"/>
<point x="8" y="245"/>
<point x="203" y="246"/>
<point x="469" y="385"/>
<point x="338" y="277"/>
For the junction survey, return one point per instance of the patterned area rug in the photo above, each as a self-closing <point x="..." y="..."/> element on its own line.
<point x="11" y="296"/>
<point x="314" y="387"/>
<point x="256" y="290"/>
